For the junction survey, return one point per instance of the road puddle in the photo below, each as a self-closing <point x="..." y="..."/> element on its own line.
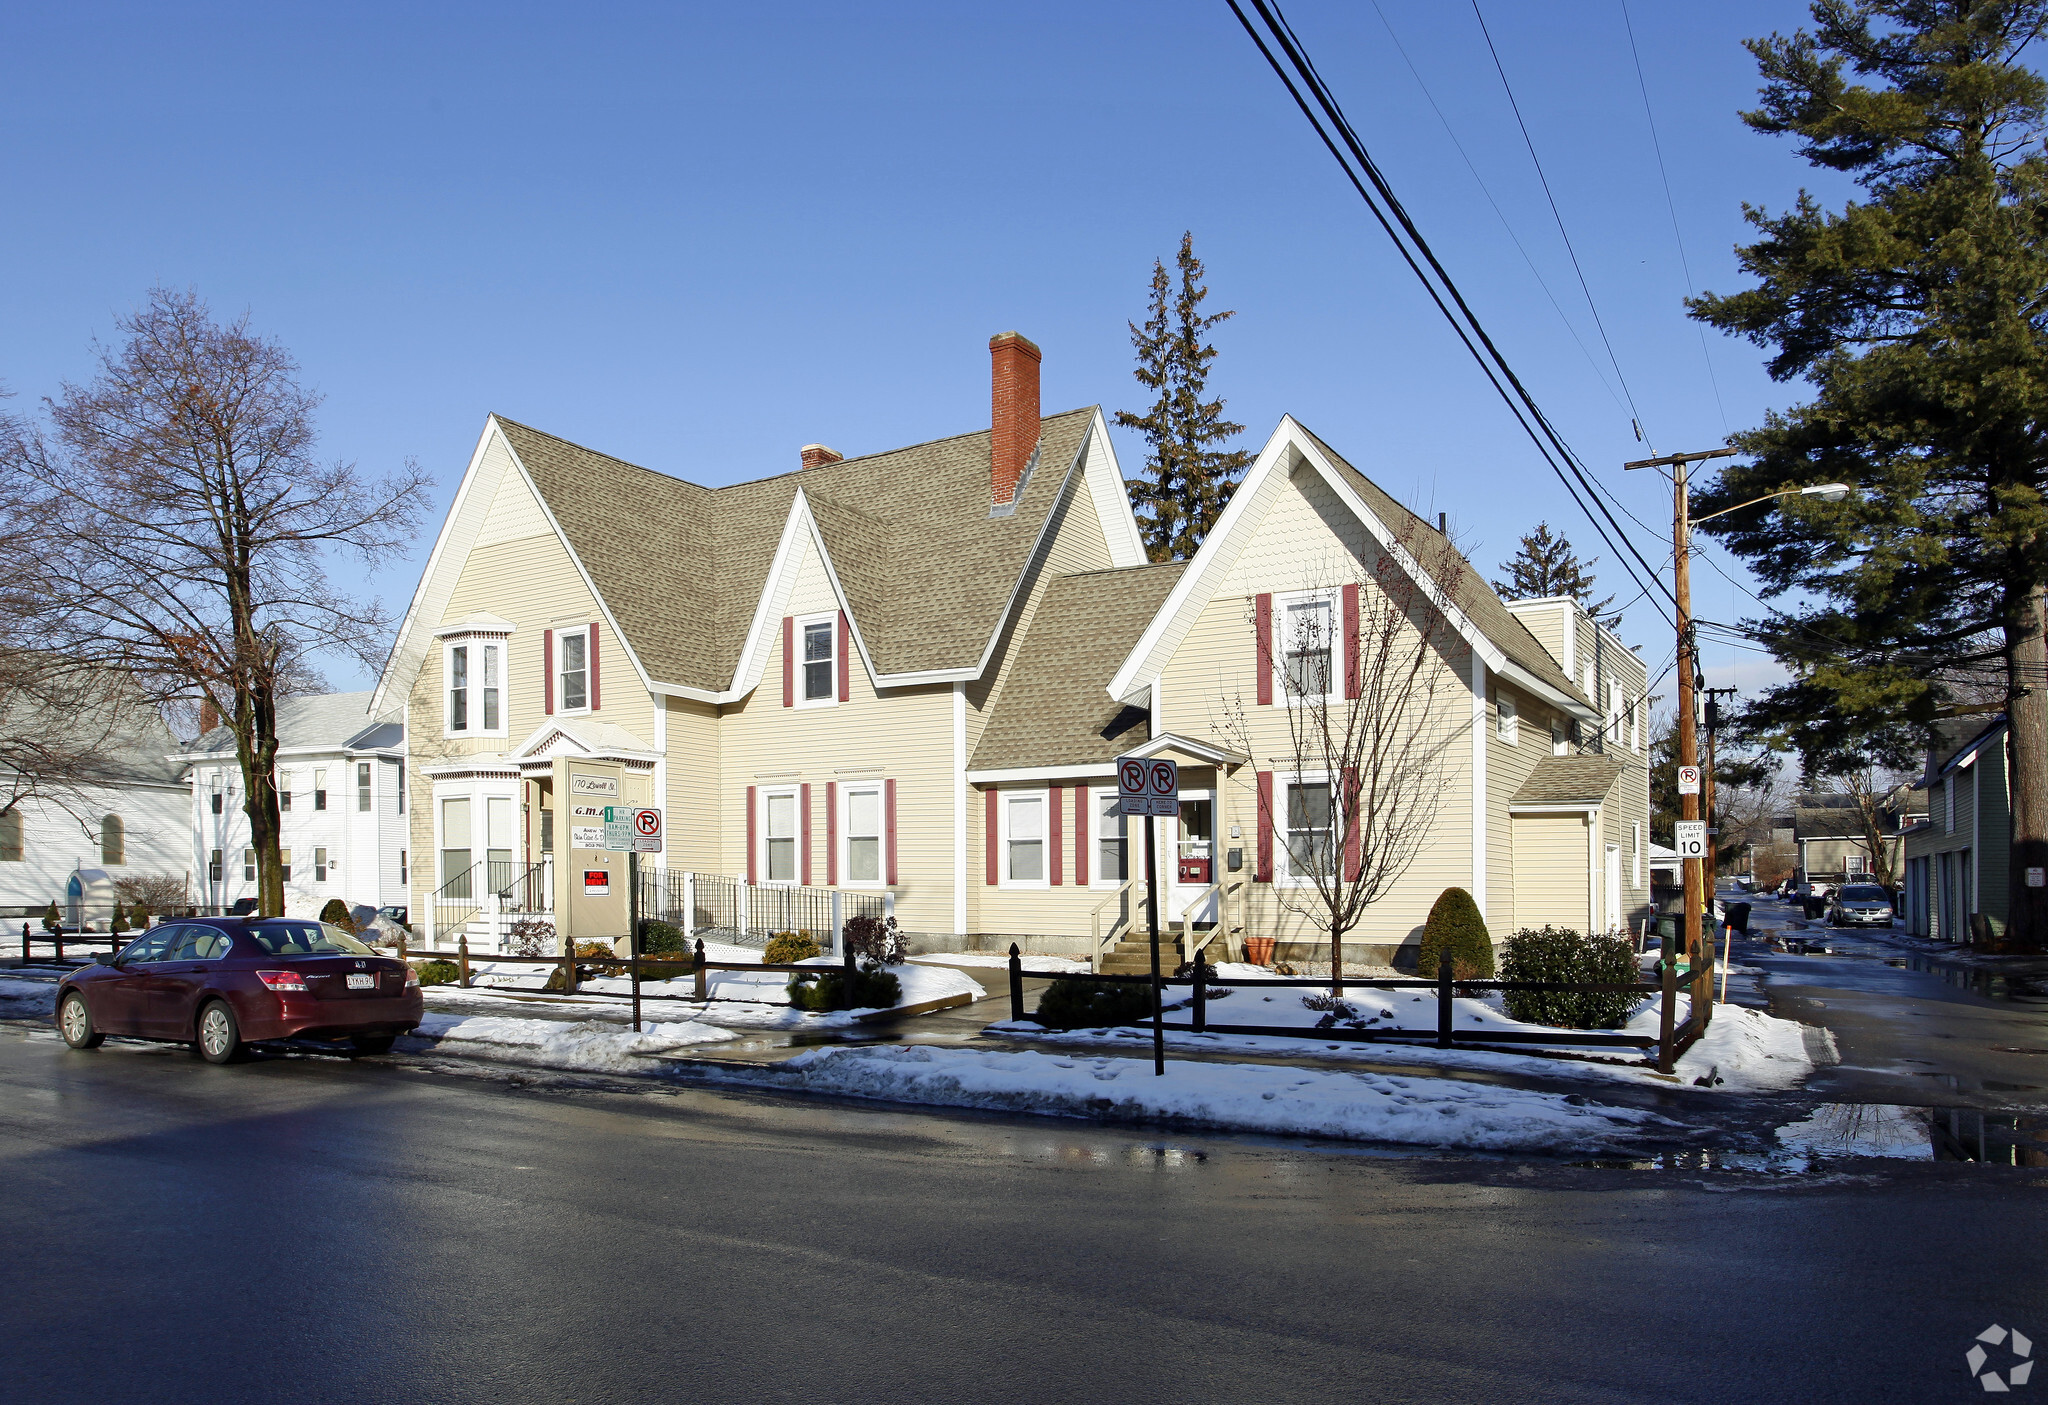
<point x="1837" y="1131"/>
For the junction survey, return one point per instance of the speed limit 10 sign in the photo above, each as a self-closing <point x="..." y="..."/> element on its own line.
<point x="1689" y="838"/>
<point x="1147" y="786"/>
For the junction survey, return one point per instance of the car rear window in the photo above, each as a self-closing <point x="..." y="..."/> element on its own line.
<point x="305" y="939"/>
<point x="1863" y="893"/>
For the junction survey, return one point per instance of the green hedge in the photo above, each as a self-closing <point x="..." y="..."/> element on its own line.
<point x="662" y="939"/>
<point x="439" y="973"/>
<point x="336" y="914"/>
<point x="871" y="989"/>
<point x="1455" y="923"/>
<point x="1561" y="954"/>
<point x="1094" y="1004"/>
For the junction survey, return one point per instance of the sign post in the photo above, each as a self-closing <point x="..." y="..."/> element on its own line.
<point x="1150" y="787"/>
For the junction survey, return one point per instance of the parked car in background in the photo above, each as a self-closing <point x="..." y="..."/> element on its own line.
<point x="223" y="983"/>
<point x="1860" y="905"/>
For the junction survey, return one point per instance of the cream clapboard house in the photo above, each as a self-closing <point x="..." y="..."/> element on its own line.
<point x="907" y="676"/>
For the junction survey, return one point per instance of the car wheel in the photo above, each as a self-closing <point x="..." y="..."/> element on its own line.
<point x="372" y="1043"/>
<point x="74" y="1022"/>
<point x="220" y="1038"/>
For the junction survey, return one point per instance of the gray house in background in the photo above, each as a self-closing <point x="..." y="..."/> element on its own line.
<point x="1832" y="846"/>
<point x="1957" y="858"/>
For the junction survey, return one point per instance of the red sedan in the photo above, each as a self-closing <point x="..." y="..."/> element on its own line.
<point x="225" y="982"/>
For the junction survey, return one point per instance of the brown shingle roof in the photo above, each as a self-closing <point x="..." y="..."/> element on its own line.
<point x="926" y="570"/>
<point x="1055" y="709"/>
<point x="1568" y="780"/>
<point x="1468" y="589"/>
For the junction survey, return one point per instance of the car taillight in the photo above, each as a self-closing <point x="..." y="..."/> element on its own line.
<point x="282" y="980"/>
<point x="412" y="977"/>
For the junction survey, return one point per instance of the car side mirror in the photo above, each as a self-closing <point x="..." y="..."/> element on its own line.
<point x="105" y="958"/>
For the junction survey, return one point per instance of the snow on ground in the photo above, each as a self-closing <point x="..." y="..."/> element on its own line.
<point x="746" y="988"/>
<point x="591" y="1046"/>
<point x="1040" y="965"/>
<point x="1862" y="1129"/>
<point x="1240" y="1097"/>
<point x="20" y="1000"/>
<point x="1745" y="1050"/>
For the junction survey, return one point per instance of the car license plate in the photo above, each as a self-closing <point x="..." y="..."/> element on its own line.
<point x="362" y="982"/>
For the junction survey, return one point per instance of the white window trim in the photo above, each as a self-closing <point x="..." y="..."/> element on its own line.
<point x="1284" y="695"/>
<point x="473" y="704"/>
<point x="562" y="633"/>
<point x="796" y="642"/>
<point x="1004" y="798"/>
<point x="1095" y="879"/>
<point x="796" y="874"/>
<point x="880" y="790"/>
<point x="1283" y="782"/>
<point x="1507" y="720"/>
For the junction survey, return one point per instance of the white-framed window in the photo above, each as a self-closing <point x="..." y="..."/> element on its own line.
<point x="817" y="646"/>
<point x="1304" y="645"/>
<point x="861" y="838"/>
<point x="1560" y="739"/>
<point x="284" y="865"/>
<point x="248" y="865"/>
<point x="1507" y="722"/>
<point x="1854" y="864"/>
<point x="475" y="671"/>
<point x="572" y="670"/>
<point x="362" y="787"/>
<point x="1636" y="855"/>
<point x="1309" y="824"/>
<point x="213" y="866"/>
<point x="404" y="876"/>
<point x="319" y="865"/>
<point x="401" y="787"/>
<point x="113" y="842"/>
<point x="1614" y="713"/>
<point x="319" y="790"/>
<point x="779" y="834"/>
<point x="1111" y="842"/>
<point x="1024" y="851"/>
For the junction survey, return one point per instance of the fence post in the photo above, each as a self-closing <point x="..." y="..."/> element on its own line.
<point x="689" y="904"/>
<point x="401" y="945"/>
<point x="24" y="942"/>
<point x="1667" y="1028"/>
<point x="1443" y="1000"/>
<point x="462" y="948"/>
<point x="568" y="964"/>
<point x="838" y="922"/>
<point x="59" y="936"/>
<point x="1016" y="983"/>
<point x="743" y="914"/>
<point x="699" y="992"/>
<point x="1201" y="996"/>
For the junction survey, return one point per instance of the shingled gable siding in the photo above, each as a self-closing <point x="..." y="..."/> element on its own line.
<point x="1295" y="544"/>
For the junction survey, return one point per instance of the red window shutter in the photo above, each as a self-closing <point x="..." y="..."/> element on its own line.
<point x="752" y="847"/>
<point x="803" y="833"/>
<point x="1055" y="835"/>
<point x="788" y="661"/>
<point x="1080" y="836"/>
<point x="889" y="829"/>
<point x="1262" y="623"/>
<point x="831" y="833"/>
<point x="1264" y="872"/>
<point x="845" y="659"/>
<point x="1347" y="815"/>
<point x="595" y="700"/>
<point x="547" y="671"/>
<point x="989" y="838"/>
<point x="1351" y="680"/>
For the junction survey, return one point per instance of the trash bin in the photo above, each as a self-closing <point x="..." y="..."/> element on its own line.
<point x="1738" y="917"/>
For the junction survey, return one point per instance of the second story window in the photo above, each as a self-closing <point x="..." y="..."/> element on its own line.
<point x="475" y="673"/>
<point x="818" y="661"/>
<point x="1306" y="632"/>
<point x="363" y="786"/>
<point x="319" y="790"/>
<point x="575" y="670"/>
<point x="458" y="688"/>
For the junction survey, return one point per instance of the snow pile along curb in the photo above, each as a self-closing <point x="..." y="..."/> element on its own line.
<point x="590" y="1046"/>
<point x="1237" y="1097"/>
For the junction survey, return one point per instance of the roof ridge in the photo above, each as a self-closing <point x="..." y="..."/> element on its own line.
<point x="883" y="453"/>
<point x="1118" y="570"/>
<point x="601" y="454"/>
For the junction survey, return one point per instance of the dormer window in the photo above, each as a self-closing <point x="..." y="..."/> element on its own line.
<point x="818" y="661"/>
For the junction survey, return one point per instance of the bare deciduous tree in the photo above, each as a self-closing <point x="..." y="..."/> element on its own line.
<point x="186" y="525"/>
<point x="1360" y="670"/>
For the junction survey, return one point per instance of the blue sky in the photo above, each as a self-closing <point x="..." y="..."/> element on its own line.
<point x="698" y="238"/>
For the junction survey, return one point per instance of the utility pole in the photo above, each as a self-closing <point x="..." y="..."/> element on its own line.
<point x="1688" y="716"/>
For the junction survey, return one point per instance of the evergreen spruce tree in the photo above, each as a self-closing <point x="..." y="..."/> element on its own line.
<point x="1191" y="480"/>
<point x="1916" y="317"/>
<point x="1545" y="566"/>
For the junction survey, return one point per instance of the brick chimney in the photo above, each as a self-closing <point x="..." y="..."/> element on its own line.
<point x="817" y="455"/>
<point x="1013" y="418"/>
<point x="209" y="716"/>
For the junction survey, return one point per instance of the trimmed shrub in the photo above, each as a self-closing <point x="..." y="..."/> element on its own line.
<point x="787" y="948"/>
<point x="138" y="916"/>
<point x="662" y="939"/>
<point x="1456" y="925"/>
<point x="1561" y="954"/>
<point x="1094" y="1004"/>
<point x="119" y="922"/>
<point x="51" y="921"/>
<point x="876" y="939"/>
<point x="336" y="914"/>
<point x="871" y="988"/>
<point x="439" y="973"/>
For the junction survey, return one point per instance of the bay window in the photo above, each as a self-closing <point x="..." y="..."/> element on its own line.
<point x="363" y="787"/>
<point x="475" y="670"/>
<point x="458" y="688"/>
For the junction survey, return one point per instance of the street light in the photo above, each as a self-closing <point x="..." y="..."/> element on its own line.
<point x="1698" y="890"/>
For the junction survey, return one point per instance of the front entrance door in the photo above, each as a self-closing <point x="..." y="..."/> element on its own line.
<point x="1194" y="857"/>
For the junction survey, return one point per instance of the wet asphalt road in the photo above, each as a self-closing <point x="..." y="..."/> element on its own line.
<point x="312" y="1230"/>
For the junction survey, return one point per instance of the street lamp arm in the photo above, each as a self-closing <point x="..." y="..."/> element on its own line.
<point x="1827" y="492"/>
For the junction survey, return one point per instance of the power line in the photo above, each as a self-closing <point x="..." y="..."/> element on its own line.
<point x="1550" y="445"/>
<point x="1558" y="215"/>
<point x="1672" y="205"/>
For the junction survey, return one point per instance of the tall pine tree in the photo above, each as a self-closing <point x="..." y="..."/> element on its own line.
<point x="1191" y="480"/>
<point x="1918" y="317"/>
<point x="1545" y="566"/>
